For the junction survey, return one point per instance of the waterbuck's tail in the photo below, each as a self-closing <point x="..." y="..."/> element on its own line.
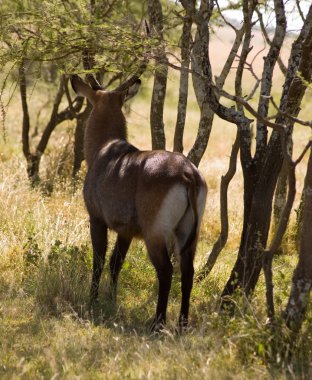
<point x="192" y="198"/>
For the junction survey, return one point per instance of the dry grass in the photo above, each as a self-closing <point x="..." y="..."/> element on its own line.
<point x="46" y="330"/>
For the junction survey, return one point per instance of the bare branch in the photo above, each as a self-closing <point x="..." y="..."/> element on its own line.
<point x="294" y="119"/>
<point x="300" y="10"/>
<point x="299" y="159"/>
<point x="52" y="122"/>
<point x="281" y="64"/>
<point x="250" y="109"/>
<point x="224" y="19"/>
<point x="229" y="62"/>
<point x="222" y="239"/>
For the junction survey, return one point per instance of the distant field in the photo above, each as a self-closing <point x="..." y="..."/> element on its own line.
<point x="46" y="330"/>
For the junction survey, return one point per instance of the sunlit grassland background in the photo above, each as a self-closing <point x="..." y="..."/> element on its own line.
<point x="46" y="330"/>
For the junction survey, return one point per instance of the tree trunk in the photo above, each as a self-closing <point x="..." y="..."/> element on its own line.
<point x="247" y="268"/>
<point x="79" y="139"/>
<point x="160" y="78"/>
<point x="186" y="40"/>
<point x="222" y="239"/>
<point x="280" y="195"/>
<point x="206" y="113"/>
<point x="302" y="279"/>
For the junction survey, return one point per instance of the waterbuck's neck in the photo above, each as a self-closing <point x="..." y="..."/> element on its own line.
<point x="105" y="123"/>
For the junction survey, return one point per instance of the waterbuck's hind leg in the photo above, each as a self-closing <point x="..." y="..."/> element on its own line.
<point x="187" y="275"/>
<point x="118" y="256"/>
<point x="160" y="259"/>
<point x="98" y="231"/>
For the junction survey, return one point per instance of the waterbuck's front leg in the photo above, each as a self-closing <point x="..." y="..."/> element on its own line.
<point x="119" y="253"/>
<point x="98" y="230"/>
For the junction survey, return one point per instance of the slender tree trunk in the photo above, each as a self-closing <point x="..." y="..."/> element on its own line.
<point x="160" y="78"/>
<point x="302" y="279"/>
<point x="206" y="113"/>
<point x="79" y="139"/>
<point x="186" y="40"/>
<point x="283" y="221"/>
<point x="222" y="239"/>
<point x="31" y="159"/>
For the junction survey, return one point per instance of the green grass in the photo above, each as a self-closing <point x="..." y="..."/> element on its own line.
<point x="47" y="331"/>
<point x="46" y="328"/>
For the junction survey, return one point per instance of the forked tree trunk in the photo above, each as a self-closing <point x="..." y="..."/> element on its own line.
<point x="247" y="268"/>
<point x="33" y="158"/>
<point x="302" y="279"/>
<point x="199" y="82"/>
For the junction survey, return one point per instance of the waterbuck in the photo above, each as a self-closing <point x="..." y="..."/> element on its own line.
<point x="155" y="195"/>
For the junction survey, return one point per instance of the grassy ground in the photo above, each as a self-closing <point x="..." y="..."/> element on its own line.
<point x="46" y="330"/>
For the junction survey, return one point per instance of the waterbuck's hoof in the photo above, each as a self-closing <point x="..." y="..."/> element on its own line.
<point x="182" y="326"/>
<point x="158" y="325"/>
<point x="94" y="309"/>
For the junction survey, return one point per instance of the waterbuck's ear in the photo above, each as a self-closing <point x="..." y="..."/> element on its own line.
<point x="81" y="88"/>
<point x="132" y="90"/>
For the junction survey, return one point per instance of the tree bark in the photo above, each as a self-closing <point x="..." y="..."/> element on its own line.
<point x="222" y="239"/>
<point x="280" y="195"/>
<point x="247" y="268"/>
<point x="186" y="40"/>
<point x="160" y="78"/>
<point x="302" y="279"/>
<point x="79" y="139"/>
<point x="206" y="113"/>
<point x="31" y="159"/>
<point x="290" y="165"/>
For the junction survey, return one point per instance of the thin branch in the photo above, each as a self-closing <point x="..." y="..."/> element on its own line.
<point x="250" y="109"/>
<point x="229" y="62"/>
<point x="224" y="19"/>
<point x="300" y="10"/>
<point x="286" y="115"/>
<point x="70" y="101"/>
<point x="222" y="239"/>
<point x="52" y="122"/>
<point x="299" y="159"/>
<point x="281" y="64"/>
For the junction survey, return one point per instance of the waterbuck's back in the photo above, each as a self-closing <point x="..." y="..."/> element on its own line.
<point x="127" y="188"/>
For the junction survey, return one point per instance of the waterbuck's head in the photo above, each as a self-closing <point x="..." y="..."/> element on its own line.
<point x="106" y="122"/>
<point x="97" y="96"/>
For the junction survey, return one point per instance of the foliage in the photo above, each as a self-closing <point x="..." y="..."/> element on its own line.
<point x="46" y="31"/>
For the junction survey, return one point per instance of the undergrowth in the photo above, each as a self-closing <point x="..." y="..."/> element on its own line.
<point x="47" y="329"/>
